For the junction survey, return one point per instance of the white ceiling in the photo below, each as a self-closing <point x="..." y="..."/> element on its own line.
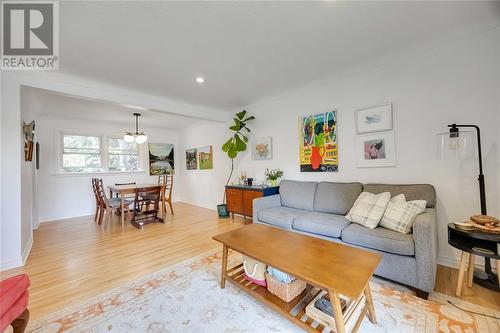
<point x="44" y="102"/>
<point x="247" y="50"/>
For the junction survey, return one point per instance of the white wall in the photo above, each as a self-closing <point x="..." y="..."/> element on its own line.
<point x="62" y="196"/>
<point x="458" y="82"/>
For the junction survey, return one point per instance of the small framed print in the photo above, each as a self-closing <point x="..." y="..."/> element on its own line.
<point x="377" y="118"/>
<point x="376" y="150"/>
<point x="262" y="148"/>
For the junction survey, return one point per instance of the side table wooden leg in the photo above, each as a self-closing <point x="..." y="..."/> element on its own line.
<point x="470" y="271"/>
<point x="369" y="304"/>
<point x="19" y="324"/>
<point x="461" y="272"/>
<point x="224" y="267"/>
<point x="337" y="311"/>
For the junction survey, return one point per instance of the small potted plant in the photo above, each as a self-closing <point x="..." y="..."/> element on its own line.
<point x="273" y="176"/>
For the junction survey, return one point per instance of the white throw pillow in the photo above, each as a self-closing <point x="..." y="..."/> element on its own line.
<point x="369" y="209"/>
<point x="400" y="214"/>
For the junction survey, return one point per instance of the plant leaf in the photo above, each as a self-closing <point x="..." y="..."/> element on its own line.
<point x="241" y="114"/>
<point x="240" y="145"/>
<point x="232" y="152"/>
<point x="227" y="145"/>
<point x="249" y="118"/>
<point x="248" y="129"/>
<point x="235" y="128"/>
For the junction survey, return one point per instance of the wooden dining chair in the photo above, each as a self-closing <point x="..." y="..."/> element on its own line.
<point x="145" y="197"/>
<point x="96" y="196"/>
<point x="108" y="205"/>
<point x="167" y="181"/>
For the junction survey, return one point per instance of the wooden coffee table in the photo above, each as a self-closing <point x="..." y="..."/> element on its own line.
<point x="336" y="268"/>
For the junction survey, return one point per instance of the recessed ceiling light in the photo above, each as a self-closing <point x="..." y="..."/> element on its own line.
<point x="200" y="80"/>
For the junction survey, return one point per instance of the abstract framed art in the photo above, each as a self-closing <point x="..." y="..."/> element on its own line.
<point x="375" y="118"/>
<point x="191" y="160"/>
<point x="376" y="150"/>
<point x="318" y="148"/>
<point x="262" y="148"/>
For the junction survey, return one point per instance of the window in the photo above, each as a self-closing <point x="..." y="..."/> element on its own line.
<point x="122" y="155"/>
<point x="81" y="153"/>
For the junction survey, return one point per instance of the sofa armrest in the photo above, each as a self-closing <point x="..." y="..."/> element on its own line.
<point x="263" y="203"/>
<point x="426" y="249"/>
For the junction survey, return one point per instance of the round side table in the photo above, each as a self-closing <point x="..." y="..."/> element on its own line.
<point x="471" y="243"/>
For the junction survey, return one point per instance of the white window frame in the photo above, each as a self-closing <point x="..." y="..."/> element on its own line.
<point x="59" y="150"/>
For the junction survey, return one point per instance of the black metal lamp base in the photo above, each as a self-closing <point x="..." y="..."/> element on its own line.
<point x="488" y="280"/>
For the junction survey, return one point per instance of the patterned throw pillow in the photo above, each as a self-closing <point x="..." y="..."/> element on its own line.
<point x="400" y="214"/>
<point x="369" y="209"/>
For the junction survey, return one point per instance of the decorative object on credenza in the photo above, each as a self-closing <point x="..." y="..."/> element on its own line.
<point x="318" y="142"/>
<point x="273" y="176"/>
<point x="161" y="159"/>
<point x="262" y="148"/>
<point x="191" y="160"/>
<point x="137" y="137"/>
<point x="235" y="144"/>
<point x="249" y="181"/>
<point x="376" y="150"/>
<point x="376" y="118"/>
<point x="459" y="144"/>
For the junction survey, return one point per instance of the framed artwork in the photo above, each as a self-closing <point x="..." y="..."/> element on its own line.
<point x="191" y="161"/>
<point x="205" y="158"/>
<point x="161" y="159"/>
<point x="262" y="148"/>
<point x="376" y="150"/>
<point x="318" y="142"/>
<point x="376" y="118"/>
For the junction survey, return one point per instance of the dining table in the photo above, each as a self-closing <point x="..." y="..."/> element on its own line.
<point x="123" y="190"/>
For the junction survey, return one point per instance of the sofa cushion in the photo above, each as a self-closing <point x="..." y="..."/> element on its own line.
<point x="380" y="238"/>
<point x="336" y="198"/>
<point x="400" y="214"/>
<point x="321" y="224"/>
<point x="297" y="194"/>
<point x="369" y="209"/>
<point x="412" y="192"/>
<point x="281" y="217"/>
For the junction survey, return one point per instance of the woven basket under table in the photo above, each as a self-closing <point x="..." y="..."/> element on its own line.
<point x="285" y="291"/>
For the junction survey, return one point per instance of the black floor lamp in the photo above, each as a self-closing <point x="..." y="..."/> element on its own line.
<point x="485" y="278"/>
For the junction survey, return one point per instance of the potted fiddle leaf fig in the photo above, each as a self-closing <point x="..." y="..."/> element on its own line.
<point x="237" y="143"/>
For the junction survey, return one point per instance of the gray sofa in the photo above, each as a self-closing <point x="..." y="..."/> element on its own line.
<point x="319" y="209"/>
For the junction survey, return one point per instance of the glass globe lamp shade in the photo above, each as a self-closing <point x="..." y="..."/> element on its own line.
<point x="128" y="137"/>
<point x="141" y="138"/>
<point x="456" y="146"/>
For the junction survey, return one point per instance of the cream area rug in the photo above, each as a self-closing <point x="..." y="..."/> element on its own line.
<point x="187" y="298"/>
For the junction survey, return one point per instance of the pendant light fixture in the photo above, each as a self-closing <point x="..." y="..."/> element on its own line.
<point x="135" y="137"/>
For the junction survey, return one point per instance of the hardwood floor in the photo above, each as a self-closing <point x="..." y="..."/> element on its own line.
<point x="73" y="260"/>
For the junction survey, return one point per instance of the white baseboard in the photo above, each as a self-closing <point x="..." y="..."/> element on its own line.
<point x="27" y="250"/>
<point x="11" y="264"/>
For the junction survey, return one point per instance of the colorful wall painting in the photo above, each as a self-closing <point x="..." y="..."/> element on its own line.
<point x="205" y="158"/>
<point x="318" y="142"/>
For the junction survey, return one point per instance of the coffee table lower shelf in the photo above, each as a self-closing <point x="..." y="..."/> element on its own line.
<point x="295" y="310"/>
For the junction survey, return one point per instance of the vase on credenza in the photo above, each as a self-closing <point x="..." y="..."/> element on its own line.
<point x="274" y="182"/>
